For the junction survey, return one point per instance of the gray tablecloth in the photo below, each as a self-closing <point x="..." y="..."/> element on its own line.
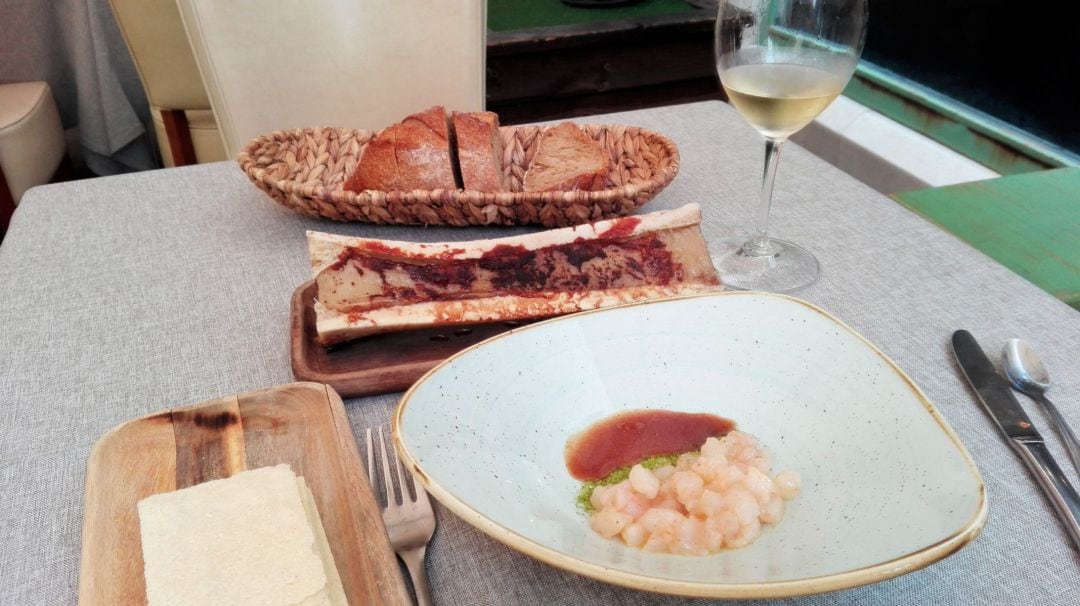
<point x="125" y="295"/>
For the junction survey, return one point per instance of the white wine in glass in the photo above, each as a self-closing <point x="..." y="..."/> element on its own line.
<point x="781" y="62"/>
<point x="779" y="99"/>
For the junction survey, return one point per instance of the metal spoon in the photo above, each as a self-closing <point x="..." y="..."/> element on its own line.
<point x="1028" y="375"/>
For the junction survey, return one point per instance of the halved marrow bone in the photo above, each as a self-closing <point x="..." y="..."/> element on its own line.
<point x="368" y="286"/>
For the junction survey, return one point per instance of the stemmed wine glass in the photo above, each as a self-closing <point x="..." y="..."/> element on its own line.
<point x="781" y="63"/>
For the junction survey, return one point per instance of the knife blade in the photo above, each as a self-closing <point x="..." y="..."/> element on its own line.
<point x="997" y="398"/>
<point x="995" y="395"/>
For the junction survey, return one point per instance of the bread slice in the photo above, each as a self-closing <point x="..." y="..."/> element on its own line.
<point x="566" y="159"/>
<point x="479" y="150"/>
<point x="370" y="286"/>
<point x="412" y="154"/>
<point x="377" y="168"/>
<point x="247" y="539"/>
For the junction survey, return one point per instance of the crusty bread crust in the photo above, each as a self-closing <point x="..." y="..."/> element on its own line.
<point x="567" y="159"/>
<point x="412" y="154"/>
<point x="479" y="151"/>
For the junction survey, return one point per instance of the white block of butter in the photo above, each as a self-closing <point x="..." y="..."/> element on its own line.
<point x="254" y="538"/>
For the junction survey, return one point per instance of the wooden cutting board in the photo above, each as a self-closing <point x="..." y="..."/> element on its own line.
<point x="302" y="424"/>
<point x="380" y="363"/>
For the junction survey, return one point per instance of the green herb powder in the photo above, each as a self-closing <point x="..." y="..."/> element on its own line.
<point x="620" y="474"/>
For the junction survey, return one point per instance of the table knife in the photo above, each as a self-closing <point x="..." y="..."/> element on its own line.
<point x="1021" y="435"/>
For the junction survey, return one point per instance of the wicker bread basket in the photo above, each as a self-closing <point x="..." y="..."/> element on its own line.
<point x="304" y="169"/>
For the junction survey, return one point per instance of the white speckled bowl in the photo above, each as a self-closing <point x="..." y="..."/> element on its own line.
<point x="888" y="487"/>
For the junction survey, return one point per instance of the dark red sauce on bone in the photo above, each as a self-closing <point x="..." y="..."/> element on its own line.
<point x="621" y="228"/>
<point x="629" y="437"/>
<point x="514" y="270"/>
<point x="379" y="248"/>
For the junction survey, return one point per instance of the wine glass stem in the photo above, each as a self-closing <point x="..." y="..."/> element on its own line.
<point x="758" y="245"/>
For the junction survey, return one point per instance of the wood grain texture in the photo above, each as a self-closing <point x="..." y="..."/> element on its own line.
<point x="301" y="424"/>
<point x="209" y="442"/>
<point x="178" y="132"/>
<point x="377" y="364"/>
<point x="555" y="72"/>
<point x="128" y="464"/>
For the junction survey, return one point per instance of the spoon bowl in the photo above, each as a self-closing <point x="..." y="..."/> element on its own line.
<point x="1024" y="367"/>
<point x="1028" y="375"/>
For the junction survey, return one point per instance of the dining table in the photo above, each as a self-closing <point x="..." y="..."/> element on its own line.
<point x="126" y="295"/>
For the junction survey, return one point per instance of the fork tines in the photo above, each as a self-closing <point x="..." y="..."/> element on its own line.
<point x="410" y="524"/>
<point x="391" y="490"/>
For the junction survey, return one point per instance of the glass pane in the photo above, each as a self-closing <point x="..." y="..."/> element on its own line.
<point x="1017" y="62"/>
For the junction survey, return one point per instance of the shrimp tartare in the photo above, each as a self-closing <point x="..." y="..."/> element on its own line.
<point x="720" y="497"/>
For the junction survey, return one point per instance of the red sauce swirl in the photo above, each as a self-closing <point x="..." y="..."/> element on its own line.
<point x="629" y="437"/>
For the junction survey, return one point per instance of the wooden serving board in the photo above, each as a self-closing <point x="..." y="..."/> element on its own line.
<point x="302" y="424"/>
<point x="380" y="363"/>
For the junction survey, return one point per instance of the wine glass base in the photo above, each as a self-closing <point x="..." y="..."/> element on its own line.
<point x="787" y="267"/>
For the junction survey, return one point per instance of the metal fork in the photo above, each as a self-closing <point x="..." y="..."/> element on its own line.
<point x="410" y="524"/>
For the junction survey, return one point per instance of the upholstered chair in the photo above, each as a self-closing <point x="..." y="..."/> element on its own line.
<point x="186" y="129"/>
<point x="280" y="64"/>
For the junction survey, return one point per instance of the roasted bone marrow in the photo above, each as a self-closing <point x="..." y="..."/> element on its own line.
<point x="367" y="286"/>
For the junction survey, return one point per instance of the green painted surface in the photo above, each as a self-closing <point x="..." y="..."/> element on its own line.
<point x="1029" y="223"/>
<point x="989" y="141"/>
<point x="509" y="15"/>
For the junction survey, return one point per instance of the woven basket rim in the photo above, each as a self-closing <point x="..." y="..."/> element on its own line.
<point x="661" y="179"/>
